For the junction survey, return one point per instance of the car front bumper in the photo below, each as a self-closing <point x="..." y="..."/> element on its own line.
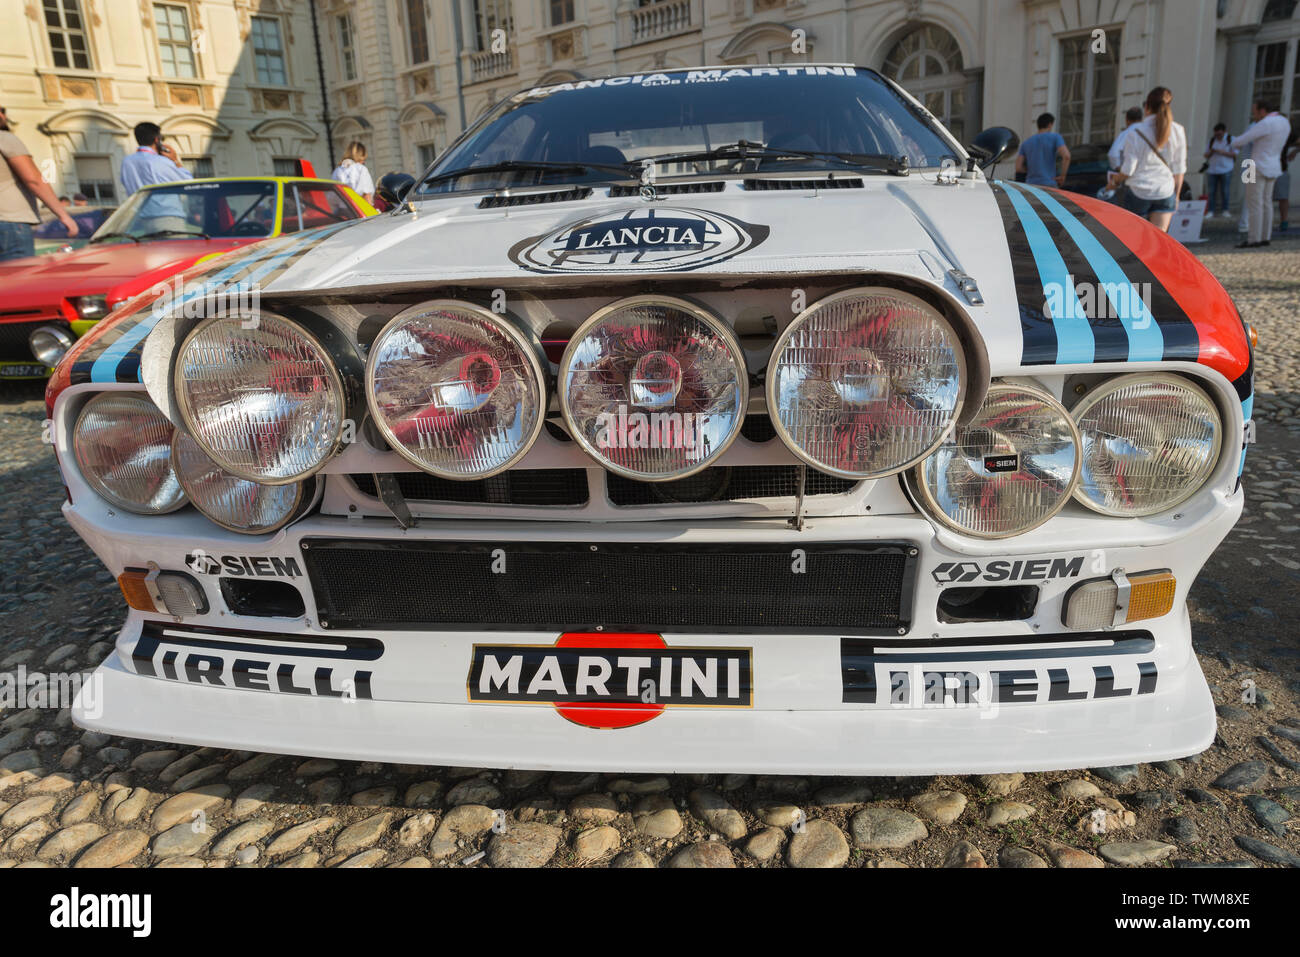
<point x="1176" y="721"/>
<point x="943" y="698"/>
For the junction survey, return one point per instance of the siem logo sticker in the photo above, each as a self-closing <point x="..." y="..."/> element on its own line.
<point x="611" y="680"/>
<point x="259" y="566"/>
<point x="1033" y="569"/>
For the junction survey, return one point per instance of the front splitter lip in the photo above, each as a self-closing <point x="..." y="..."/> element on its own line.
<point x="1177" y="722"/>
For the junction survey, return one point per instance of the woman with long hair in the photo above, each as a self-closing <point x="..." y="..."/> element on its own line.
<point x="1154" y="161"/>
<point x="352" y="171"/>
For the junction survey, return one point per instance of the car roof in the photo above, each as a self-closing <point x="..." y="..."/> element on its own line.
<point x="246" y="179"/>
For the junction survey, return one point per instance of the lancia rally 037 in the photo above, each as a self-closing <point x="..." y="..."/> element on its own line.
<point x="725" y="419"/>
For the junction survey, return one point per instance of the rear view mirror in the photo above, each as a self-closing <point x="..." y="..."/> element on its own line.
<point x="393" y="187"/>
<point x="993" y="145"/>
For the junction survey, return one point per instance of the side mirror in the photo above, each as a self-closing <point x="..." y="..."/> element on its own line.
<point x="393" y="187"/>
<point x="993" y="145"/>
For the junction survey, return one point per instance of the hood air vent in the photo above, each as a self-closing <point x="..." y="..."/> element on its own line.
<point x="828" y="183"/>
<point x="669" y="189"/>
<point x="498" y="200"/>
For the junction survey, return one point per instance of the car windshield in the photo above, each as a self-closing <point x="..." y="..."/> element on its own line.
<point x="591" y="128"/>
<point x="199" y="209"/>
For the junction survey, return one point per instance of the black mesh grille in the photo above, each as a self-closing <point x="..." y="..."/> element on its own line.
<point x="574" y="586"/>
<point x="668" y="189"/>
<point x="725" y="484"/>
<point x="535" y="487"/>
<point x="13" y="337"/>
<point x="827" y="183"/>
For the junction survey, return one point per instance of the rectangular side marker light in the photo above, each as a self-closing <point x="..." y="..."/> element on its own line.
<point x="168" y="593"/>
<point x="1118" y="600"/>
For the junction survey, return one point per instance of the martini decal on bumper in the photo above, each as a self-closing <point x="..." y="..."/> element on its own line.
<point x="611" y="680"/>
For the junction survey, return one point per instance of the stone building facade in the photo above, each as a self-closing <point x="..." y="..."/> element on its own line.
<point x="405" y="77"/>
<point x="234" y="84"/>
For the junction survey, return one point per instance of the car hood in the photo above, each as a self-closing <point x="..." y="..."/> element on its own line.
<point x="116" y="270"/>
<point x="914" y="226"/>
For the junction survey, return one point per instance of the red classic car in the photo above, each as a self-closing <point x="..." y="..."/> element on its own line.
<point x="48" y="301"/>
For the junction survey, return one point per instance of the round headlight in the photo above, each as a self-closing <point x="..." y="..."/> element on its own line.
<point x="1149" y="440"/>
<point x="866" y="382"/>
<point x="122" y="444"/>
<point x="263" y="400"/>
<point x="456" y="390"/>
<point x="48" y="344"/>
<point x="1009" y="469"/>
<point x="653" y="388"/>
<point x="230" y="501"/>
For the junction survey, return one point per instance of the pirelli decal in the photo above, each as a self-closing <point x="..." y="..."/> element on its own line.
<point x="959" y="672"/>
<point x="333" y="667"/>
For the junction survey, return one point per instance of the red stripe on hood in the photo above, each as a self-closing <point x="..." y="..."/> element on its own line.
<point x="1218" y="324"/>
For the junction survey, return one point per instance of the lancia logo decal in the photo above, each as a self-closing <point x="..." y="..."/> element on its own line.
<point x="646" y="240"/>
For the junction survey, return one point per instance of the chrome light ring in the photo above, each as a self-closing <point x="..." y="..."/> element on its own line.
<point x="706" y="318"/>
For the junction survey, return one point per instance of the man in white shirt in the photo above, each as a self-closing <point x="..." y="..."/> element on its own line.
<point x="1116" y="152"/>
<point x="1267" y="136"/>
<point x="155" y="162"/>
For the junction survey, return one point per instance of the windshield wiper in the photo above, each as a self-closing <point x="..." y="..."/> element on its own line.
<point x="512" y="166"/>
<point x="174" y="232"/>
<point x="100" y="239"/>
<point x="745" y="149"/>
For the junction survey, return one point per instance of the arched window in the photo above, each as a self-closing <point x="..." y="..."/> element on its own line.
<point x="927" y="63"/>
<point x="1277" y="58"/>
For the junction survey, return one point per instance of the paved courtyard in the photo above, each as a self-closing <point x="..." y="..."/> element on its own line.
<point x="83" y="798"/>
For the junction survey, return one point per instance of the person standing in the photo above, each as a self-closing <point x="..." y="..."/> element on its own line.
<point x="1131" y="119"/>
<point x="1266" y="136"/>
<point x="1039" y="154"/>
<point x="156" y="162"/>
<point x="1221" y="159"/>
<point x="1154" y="161"/>
<point x="21" y="185"/>
<point x="352" y="172"/>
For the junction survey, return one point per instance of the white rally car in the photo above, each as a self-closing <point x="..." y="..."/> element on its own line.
<point x="726" y="419"/>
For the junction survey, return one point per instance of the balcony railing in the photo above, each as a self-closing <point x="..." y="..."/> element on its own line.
<point x="486" y="65"/>
<point x="658" y="20"/>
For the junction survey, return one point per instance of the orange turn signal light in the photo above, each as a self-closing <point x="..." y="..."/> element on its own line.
<point x="1150" y="595"/>
<point x="136" y="588"/>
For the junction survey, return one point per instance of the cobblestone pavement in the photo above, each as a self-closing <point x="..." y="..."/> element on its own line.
<point x="81" y="798"/>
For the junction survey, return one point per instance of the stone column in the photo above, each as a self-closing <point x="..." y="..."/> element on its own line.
<point x="1238" y="78"/>
<point x="974" y="114"/>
